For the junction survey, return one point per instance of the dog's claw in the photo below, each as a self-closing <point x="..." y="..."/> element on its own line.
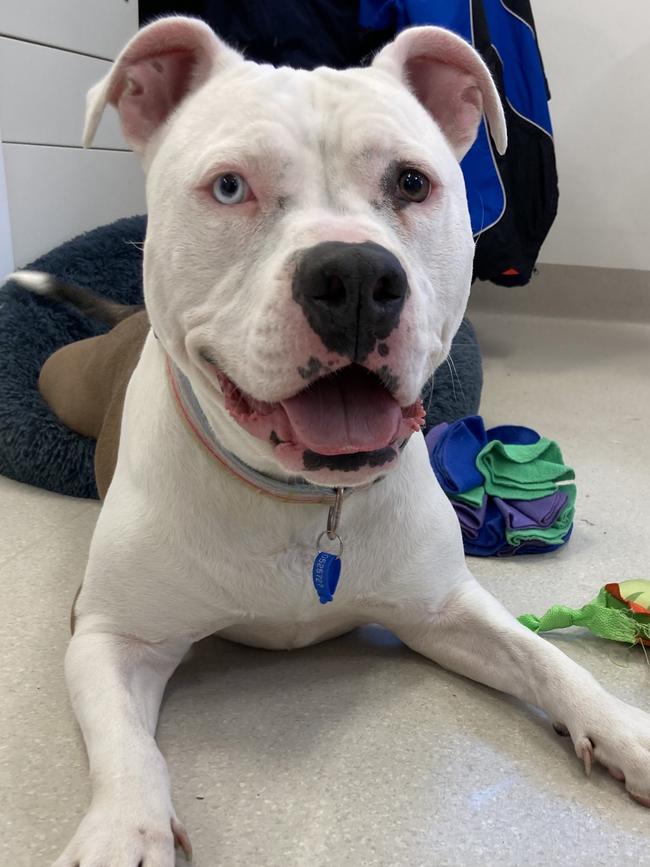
<point x="585" y="750"/>
<point x="181" y="839"/>
<point x="560" y="729"/>
<point x="617" y="774"/>
<point x="645" y="802"/>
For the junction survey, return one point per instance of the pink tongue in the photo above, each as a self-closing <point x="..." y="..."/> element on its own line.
<point x="348" y="412"/>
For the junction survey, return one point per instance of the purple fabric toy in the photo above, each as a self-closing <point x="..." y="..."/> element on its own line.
<point x="485" y="520"/>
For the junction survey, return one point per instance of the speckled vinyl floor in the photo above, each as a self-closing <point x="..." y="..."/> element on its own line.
<point x="357" y="752"/>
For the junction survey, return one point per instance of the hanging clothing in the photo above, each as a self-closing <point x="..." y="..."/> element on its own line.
<point x="512" y="198"/>
<point x="299" y="33"/>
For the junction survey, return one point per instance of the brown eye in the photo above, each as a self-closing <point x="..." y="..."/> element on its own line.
<point x="413" y="186"/>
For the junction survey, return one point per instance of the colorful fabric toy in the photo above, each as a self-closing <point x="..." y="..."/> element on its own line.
<point x="620" y="612"/>
<point x="508" y="485"/>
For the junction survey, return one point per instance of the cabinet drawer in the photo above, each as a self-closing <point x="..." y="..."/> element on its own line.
<point x="55" y="193"/>
<point x="97" y="27"/>
<point x="43" y="96"/>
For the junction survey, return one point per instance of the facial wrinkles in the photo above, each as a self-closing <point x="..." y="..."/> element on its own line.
<point x="356" y="140"/>
<point x="330" y="105"/>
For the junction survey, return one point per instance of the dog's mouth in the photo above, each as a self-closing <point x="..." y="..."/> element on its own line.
<point x="344" y="422"/>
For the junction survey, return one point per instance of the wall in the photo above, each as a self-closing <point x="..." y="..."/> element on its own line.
<point x="597" y="59"/>
<point x="51" y="189"/>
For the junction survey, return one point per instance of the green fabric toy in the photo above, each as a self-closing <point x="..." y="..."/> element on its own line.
<point x="620" y="612"/>
<point x="522" y="472"/>
<point x="471" y="498"/>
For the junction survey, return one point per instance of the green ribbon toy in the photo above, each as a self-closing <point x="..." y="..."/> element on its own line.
<point x="620" y="612"/>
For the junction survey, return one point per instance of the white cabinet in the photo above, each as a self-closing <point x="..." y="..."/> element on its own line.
<point x="96" y="27"/>
<point x="6" y="243"/>
<point x="51" y="189"/>
<point x="43" y="96"/>
<point x="54" y="193"/>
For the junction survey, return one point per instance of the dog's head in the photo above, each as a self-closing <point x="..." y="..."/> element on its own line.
<point x="309" y="251"/>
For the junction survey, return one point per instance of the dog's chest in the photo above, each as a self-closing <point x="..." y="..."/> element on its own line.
<point x="248" y="572"/>
<point x="277" y="603"/>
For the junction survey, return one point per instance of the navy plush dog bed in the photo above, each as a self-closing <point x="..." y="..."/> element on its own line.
<point x="34" y="446"/>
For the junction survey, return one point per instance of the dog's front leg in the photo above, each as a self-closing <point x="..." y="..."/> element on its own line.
<point x="473" y="634"/>
<point x="116" y="685"/>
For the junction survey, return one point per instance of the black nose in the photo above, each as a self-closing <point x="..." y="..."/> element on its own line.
<point x="352" y="295"/>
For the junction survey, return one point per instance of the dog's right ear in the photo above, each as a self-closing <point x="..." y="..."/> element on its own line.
<point x="159" y="67"/>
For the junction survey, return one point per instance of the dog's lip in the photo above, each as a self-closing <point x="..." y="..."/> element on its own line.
<point x="343" y="413"/>
<point x="262" y="406"/>
<point x="395" y="446"/>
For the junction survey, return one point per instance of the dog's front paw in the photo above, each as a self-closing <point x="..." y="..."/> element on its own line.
<point x="617" y="735"/>
<point x="113" y="836"/>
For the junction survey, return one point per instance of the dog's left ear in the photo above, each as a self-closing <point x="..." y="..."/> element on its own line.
<point x="451" y="81"/>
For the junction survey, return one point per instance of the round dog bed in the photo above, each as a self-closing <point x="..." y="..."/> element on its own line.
<point x="34" y="446"/>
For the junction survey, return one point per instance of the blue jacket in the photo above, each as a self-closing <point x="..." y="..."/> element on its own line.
<point x="512" y="198"/>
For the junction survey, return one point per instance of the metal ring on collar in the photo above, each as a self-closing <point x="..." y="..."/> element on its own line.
<point x="336" y="536"/>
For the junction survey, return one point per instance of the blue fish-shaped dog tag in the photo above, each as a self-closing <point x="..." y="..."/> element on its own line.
<point x="325" y="575"/>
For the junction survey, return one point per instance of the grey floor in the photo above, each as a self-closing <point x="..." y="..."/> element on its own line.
<point x="358" y="752"/>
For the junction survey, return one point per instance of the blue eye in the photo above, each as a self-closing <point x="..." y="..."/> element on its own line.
<point x="230" y="189"/>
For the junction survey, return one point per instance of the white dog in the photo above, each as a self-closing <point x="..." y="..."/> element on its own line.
<point x="307" y="263"/>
